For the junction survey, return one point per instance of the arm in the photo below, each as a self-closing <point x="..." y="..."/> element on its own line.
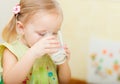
<point x="64" y="73"/>
<point x="15" y="71"/>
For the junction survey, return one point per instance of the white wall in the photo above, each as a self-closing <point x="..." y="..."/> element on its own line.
<point x="6" y="12"/>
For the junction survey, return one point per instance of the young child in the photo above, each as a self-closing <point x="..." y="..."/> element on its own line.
<point x="26" y="54"/>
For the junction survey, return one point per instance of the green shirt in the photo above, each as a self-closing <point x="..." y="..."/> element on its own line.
<point x="43" y="70"/>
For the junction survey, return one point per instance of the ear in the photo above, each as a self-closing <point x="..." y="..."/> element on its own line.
<point x="19" y="28"/>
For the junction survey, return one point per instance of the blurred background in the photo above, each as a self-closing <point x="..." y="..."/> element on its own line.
<point x="82" y="20"/>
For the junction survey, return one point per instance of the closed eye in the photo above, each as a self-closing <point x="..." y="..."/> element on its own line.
<point x="55" y="33"/>
<point x="42" y="34"/>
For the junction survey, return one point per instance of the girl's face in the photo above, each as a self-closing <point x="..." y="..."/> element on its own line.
<point x="39" y="25"/>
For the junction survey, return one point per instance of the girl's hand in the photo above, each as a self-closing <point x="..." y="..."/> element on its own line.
<point x="67" y="52"/>
<point x="46" y="45"/>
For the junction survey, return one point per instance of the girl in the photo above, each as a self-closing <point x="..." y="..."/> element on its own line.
<point x="26" y="54"/>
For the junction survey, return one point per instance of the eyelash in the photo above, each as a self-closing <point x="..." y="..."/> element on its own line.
<point x="55" y="33"/>
<point x="42" y="34"/>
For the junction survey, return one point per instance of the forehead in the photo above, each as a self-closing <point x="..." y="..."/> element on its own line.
<point x="48" y="21"/>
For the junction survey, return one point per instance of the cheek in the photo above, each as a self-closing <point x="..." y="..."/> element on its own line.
<point x="33" y="39"/>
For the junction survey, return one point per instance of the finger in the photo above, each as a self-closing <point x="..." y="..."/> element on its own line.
<point x="50" y="46"/>
<point x="65" y="46"/>
<point x="68" y="53"/>
<point x="67" y="50"/>
<point x="68" y="56"/>
<point x="51" y="51"/>
<point x="54" y="41"/>
<point x="50" y="37"/>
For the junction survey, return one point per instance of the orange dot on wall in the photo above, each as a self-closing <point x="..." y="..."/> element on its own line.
<point x="104" y="51"/>
<point x="116" y="67"/>
<point x="111" y="55"/>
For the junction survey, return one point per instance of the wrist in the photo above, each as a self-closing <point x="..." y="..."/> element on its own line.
<point x="32" y="54"/>
<point x="63" y="64"/>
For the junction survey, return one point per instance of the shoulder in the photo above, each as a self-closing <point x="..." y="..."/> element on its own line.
<point x="8" y="53"/>
<point x="8" y="56"/>
<point x="5" y="47"/>
<point x="8" y="59"/>
<point x="5" y="55"/>
<point x="15" y="48"/>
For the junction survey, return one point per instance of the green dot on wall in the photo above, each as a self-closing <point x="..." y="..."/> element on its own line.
<point x="118" y="78"/>
<point x="101" y="60"/>
<point x="99" y="67"/>
<point x="116" y="61"/>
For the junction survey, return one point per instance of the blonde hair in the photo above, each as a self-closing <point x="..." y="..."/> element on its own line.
<point x="27" y="9"/>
